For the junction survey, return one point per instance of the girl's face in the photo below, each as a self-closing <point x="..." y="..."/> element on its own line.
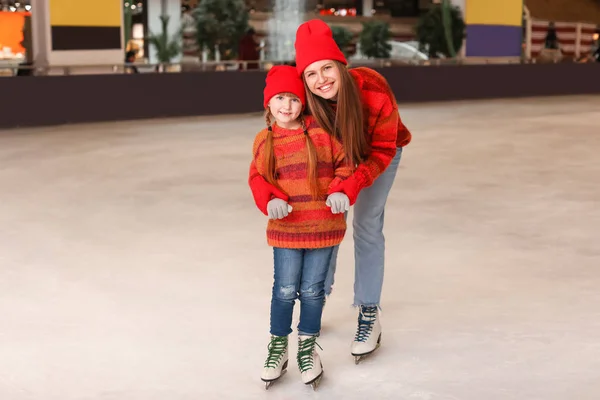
<point x="286" y="109"/>
<point x="322" y="78"/>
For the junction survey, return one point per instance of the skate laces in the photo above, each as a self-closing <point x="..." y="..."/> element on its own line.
<point x="366" y="319"/>
<point x="306" y="348"/>
<point x="276" y="348"/>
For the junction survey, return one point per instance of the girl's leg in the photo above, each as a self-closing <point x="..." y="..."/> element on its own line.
<point x="312" y="289"/>
<point x="369" y="242"/>
<point x="288" y="270"/>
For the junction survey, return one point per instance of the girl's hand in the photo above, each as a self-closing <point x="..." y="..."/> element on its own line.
<point x="338" y="202"/>
<point x="349" y="187"/>
<point x="278" y="209"/>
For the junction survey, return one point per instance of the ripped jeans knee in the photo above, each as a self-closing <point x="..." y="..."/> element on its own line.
<point x="285" y="292"/>
<point x="313" y="293"/>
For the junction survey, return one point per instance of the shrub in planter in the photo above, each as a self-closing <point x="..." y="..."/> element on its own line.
<point x="439" y="35"/>
<point x="221" y="23"/>
<point x="342" y="37"/>
<point x="374" y="39"/>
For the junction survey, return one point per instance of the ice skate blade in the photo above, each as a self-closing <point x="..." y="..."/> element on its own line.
<point x="359" y="357"/>
<point x="268" y="383"/>
<point x="315" y="382"/>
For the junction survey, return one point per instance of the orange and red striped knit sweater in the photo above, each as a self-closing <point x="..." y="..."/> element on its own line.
<point x="311" y="224"/>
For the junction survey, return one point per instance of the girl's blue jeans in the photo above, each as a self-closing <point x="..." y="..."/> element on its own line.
<point x="299" y="274"/>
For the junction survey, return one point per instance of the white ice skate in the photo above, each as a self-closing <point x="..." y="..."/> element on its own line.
<point x="309" y="361"/>
<point x="277" y="360"/>
<point x="368" y="333"/>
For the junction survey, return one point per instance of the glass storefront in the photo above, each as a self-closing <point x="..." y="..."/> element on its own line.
<point x="13" y="26"/>
<point x="134" y="28"/>
<point x="343" y="8"/>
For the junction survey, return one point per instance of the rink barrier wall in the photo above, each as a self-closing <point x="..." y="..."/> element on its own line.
<point x="53" y="100"/>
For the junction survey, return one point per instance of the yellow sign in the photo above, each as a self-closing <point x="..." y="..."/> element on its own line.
<point x="494" y="12"/>
<point x="86" y="13"/>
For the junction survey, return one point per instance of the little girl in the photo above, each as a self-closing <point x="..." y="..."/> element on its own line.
<point x="302" y="161"/>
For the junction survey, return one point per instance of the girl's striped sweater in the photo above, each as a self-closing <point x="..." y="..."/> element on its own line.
<point x="311" y="224"/>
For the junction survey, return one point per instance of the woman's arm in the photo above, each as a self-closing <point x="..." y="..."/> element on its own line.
<point x="383" y="148"/>
<point x="341" y="169"/>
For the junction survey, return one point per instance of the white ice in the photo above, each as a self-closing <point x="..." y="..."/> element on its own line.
<point x="133" y="262"/>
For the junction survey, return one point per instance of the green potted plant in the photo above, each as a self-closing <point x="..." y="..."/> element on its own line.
<point x="220" y="24"/>
<point x="166" y="48"/>
<point x="441" y="31"/>
<point x="342" y="37"/>
<point x="374" y="39"/>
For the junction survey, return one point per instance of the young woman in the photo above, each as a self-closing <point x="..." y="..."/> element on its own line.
<point x="358" y="107"/>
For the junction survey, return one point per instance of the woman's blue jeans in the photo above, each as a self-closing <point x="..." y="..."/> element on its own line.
<point x="299" y="274"/>
<point x="369" y="242"/>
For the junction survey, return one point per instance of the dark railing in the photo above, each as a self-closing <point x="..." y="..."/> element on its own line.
<point x="227" y="65"/>
<point x="50" y="100"/>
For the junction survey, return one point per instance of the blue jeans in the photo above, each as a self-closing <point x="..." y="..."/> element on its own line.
<point x="299" y="273"/>
<point x="369" y="242"/>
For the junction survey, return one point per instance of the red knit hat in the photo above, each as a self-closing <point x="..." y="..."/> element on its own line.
<point x="283" y="79"/>
<point x="314" y="42"/>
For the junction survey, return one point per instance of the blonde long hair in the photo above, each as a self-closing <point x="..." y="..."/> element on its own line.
<point x="347" y="123"/>
<point x="270" y="160"/>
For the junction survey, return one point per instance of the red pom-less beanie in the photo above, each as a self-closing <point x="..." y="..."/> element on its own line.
<point x="283" y="79"/>
<point x="314" y="42"/>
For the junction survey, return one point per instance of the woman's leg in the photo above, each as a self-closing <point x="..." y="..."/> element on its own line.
<point x="288" y="270"/>
<point x="369" y="242"/>
<point x="312" y="289"/>
<point x="329" y="281"/>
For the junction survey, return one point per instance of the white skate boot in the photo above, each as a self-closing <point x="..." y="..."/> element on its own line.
<point x="368" y="333"/>
<point x="309" y="361"/>
<point x="277" y="360"/>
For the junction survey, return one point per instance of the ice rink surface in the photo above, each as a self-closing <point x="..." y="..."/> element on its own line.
<point x="134" y="264"/>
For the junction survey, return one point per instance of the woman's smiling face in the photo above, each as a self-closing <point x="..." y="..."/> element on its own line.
<point x="322" y="79"/>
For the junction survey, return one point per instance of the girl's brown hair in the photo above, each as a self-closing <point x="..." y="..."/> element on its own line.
<point x="270" y="160"/>
<point x="347" y="124"/>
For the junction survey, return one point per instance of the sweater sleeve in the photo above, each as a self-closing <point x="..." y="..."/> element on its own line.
<point x="342" y="170"/>
<point x="262" y="191"/>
